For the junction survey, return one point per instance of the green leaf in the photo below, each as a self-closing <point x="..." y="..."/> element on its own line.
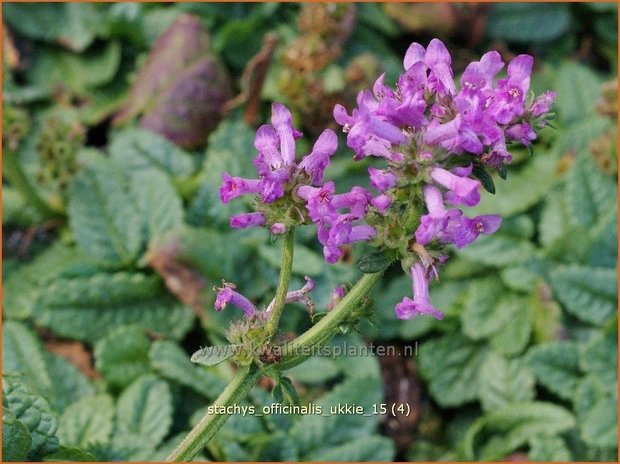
<point x="515" y="425"/>
<point x="373" y="448"/>
<point x="512" y="339"/>
<point x="33" y="412"/>
<point x="122" y="355"/>
<point x="71" y="25"/>
<point x="504" y="381"/>
<point x="526" y="187"/>
<point x="102" y="214"/>
<point x="144" y="412"/>
<point x="312" y="431"/>
<point x="485" y="178"/>
<point x="87" y="422"/>
<point x="138" y="150"/>
<point x="498" y="250"/>
<point x="591" y="194"/>
<point x="65" y="454"/>
<point x="485" y="310"/>
<point x="577" y="91"/>
<point x="158" y="202"/>
<point x="596" y="406"/>
<point x="305" y="261"/>
<point x="590" y="294"/>
<point x="599" y="357"/>
<point x="604" y="249"/>
<point x="374" y="261"/>
<point x="173" y="363"/>
<point x="555" y="217"/>
<point x="230" y="149"/>
<point x="316" y="370"/>
<point x="87" y="308"/>
<point x="213" y="355"/>
<point x="16" y="439"/>
<point x="289" y="391"/>
<point x="518" y="22"/>
<point x="69" y="384"/>
<point x="53" y="68"/>
<point x="452" y="366"/>
<point x="22" y="353"/>
<point x="548" y="448"/>
<point x="547" y="315"/>
<point x="555" y="366"/>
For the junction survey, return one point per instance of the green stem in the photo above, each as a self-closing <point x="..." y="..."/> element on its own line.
<point x="15" y="175"/>
<point x="302" y="347"/>
<point x="234" y="393"/>
<point x="295" y="353"/>
<point x="285" y="277"/>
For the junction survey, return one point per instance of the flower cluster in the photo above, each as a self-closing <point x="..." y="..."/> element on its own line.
<point x="436" y="142"/>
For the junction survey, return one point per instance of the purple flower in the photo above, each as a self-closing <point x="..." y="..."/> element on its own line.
<point x="382" y="203"/>
<point x="434" y="224"/>
<point x="438" y="60"/>
<point x="510" y="95"/>
<point x="356" y="201"/>
<point x="318" y="159"/>
<point x="339" y="233"/>
<point x="233" y="187"/>
<point x="465" y="231"/>
<point x="319" y="202"/>
<point x="283" y="124"/>
<point x="479" y="75"/>
<point x="227" y="294"/>
<point x="381" y="179"/>
<point x="421" y="304"/>
<point x="338" y="293"/>
<point x="542" y="104"/>
<point x="277" y="228"/>
<point x="462" y="190"/>
<point x="368" y="135"/>
<point x="245" y="220"/>
<point x="523" y="133"/>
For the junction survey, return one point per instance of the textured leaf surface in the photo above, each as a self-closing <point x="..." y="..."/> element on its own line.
<point x="516" y="424"/>
<point x="16" y="439"/>
<point x="173" y="363"/>
<point x="69" y="384"/>
<point x="485" y="311"/>
<point x="33" y="412"/>
<point x="312" y="430"/>
<point x="504" y="381"/>
<point x="373" y="448"/>
<point x="87" y="308"/>
<point x="230" y="149"/>
<point x="87" y="422"/>
<point x="452" y="366"/>
<point x="548" y="448"/>
<point x="591" y="194"/>
<point x="138" y="150"/>
<point x="22" y="353"/>
<point x="103" y="215"/>
<point x="158" y="202"/>
<point x="144" y="411"/>
<point x="122" y="355"/>
<point x="596" y="406"/>
<point x="555" y="366"/>
<point x="577" y="90"/>
<point x="588" y="293"/>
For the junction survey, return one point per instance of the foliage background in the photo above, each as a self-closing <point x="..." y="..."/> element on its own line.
<point x="106" y="296"/>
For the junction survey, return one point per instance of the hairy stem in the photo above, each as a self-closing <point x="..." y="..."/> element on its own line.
<point x="285" y="277"/>
<point x="18" y="180"/>
<point x="235" y="392"/>
<point x="302" y="347"/>
<point x="296" y="352"/>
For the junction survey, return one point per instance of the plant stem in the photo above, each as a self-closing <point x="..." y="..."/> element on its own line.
<point x="196" y="440"/>
<point x="295" y="353"/>
<point x="302" y="347"/>
<point x="285" y="277"/>
<point x="15" y="175"/>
